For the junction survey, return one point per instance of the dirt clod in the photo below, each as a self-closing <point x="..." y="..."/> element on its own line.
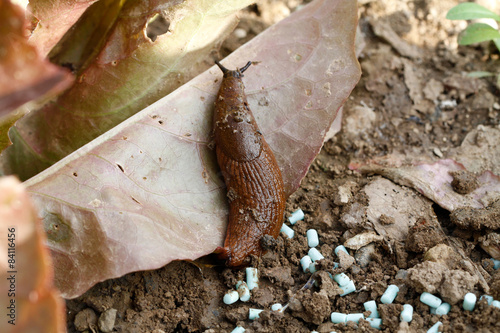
<point x="477" y="218"/>
<point x="464" y="181"/>
<point x="422" y="236"/>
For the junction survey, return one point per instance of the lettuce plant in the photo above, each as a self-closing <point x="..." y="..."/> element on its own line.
<point x="476" y="32"/>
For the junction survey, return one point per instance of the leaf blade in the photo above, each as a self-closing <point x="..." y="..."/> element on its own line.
<point x="477" y="33"/>
<point x="470" y="11"/>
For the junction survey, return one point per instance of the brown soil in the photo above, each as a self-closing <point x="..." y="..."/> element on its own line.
<point x="405" y="102"/>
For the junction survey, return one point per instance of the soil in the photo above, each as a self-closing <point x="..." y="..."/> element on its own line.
<point x="412" y="100"/>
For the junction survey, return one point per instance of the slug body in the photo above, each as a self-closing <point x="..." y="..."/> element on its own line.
<point x="254" y="183"/>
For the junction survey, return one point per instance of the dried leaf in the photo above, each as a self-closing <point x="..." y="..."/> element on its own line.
<point x="433" y="180"/>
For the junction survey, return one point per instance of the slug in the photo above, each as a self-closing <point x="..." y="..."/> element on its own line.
<point x="254" y="183"/>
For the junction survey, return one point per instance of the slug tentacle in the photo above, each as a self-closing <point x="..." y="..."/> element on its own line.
<point x="235" y="73"/>
<point x="252" y="176"/>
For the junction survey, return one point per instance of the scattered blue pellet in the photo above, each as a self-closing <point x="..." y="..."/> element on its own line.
<point x="430" y="300"/>
<point x="231" y="297"/>
<point x="287" y="231"/>
<point x="305" y="262"/>
<point x="496" y="304"/>
<point x="355" y="317"/>
<point x="243" y="291"/>
<point x="435" y="327"/>
<point x="252" y="278"/>
<point x="489" y="298"/>
<point x="341" y="279"/>
<point x="340" y="248"/>
<point x="238" y="329"/>
<point x="276" y="307"/>
<point x="443" y="309"/>
<point x="312" y="238"/>
<point x="338" y="318"/>
<point x="375" y="322"/>
<point x="371" y="306"/>
<point x="348" y="288"/>
<point x="315" y="254"/>
<point x="253" y="313"/>
<point x="407" y="313"/>
<point x="389" y="294"/>
<point x="296" y="216"/>
<point x="469" y="301"/>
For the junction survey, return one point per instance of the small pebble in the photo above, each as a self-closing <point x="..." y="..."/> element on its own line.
<point x="231" y="297"/>
<point x="238" y="329"/>
<point x="276" y="307"/>
<point x="341" y="279"/>
<point x="434" y="329"/>
<point x="106" y="321"/>
<point x="496" y="304"/>
<point x="315" y="254"/>
<point x="340" y="248"/>
<point x="252" y="278"/>
<point x="243" y="291"/>
<point x="402" y="274"/>
<point x="287" y="231"/>
<point x="389" y="294"/>
<point x="443" y="309"/>
<point x="348" y="288"/>
<point x="488" y="298"/>
<point x="430" y="300"/>
<point x="469" y="301"/>
<point x="240" y="33"/>
<point x="374" y="322"/>
<point x="407" y="313"/>
<point x="305" y="262"/>
<point x="296" y="216"/>
<point x="355" y="317"/>
<point x="338" y="318"/>
<point x="312" y="238"/>
<point x="371" y="306"/>
<point x="84" y="319"/>
<point x="253" y="313"/>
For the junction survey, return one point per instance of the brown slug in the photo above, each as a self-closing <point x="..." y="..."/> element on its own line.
<point x="254" y="183"/>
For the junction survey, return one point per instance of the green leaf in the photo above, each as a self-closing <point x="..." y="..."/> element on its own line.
<point x="470" y="11"/>
<point x="476" y="33"/>
<point x="497" y="43"/>
<point x="479" y="74"/>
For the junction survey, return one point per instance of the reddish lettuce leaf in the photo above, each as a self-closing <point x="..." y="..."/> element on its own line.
<point x="24" y="74"/>
<point x="128" y="73"/>
<point x="148" y="191"/>
<point x="29" y="299"/>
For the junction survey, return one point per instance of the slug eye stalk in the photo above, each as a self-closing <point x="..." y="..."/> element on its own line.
<point x="235" y="73"/>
